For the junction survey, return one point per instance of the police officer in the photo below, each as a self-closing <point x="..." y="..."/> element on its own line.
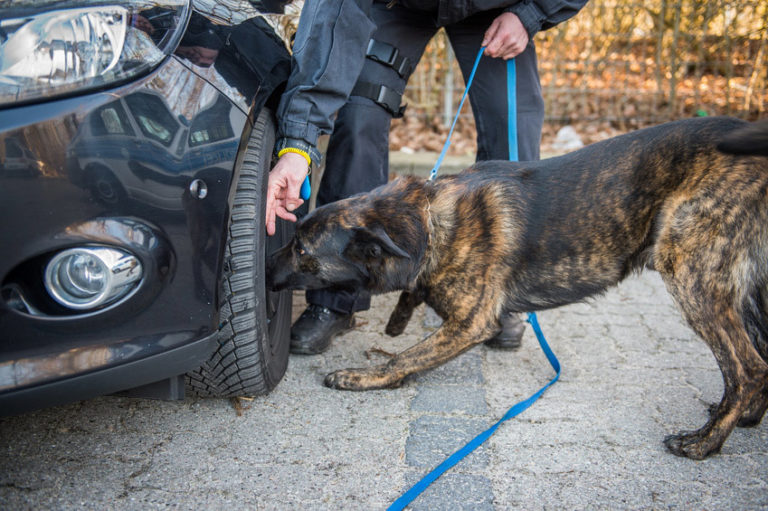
<point x="355" y="57"/>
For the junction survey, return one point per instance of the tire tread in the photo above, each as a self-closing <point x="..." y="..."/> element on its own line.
<point x="239" y="367"/>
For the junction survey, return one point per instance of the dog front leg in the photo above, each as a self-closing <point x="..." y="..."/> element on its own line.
<point x="445" y="343"/>
<point x="403" y="311"/>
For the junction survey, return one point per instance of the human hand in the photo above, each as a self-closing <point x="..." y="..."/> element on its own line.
<point x="285" y="181"/>
<point x="506" y="38"/>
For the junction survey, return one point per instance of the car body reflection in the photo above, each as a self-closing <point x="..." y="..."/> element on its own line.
<point x="135" y="148"/>
<point x="112" y="162"/>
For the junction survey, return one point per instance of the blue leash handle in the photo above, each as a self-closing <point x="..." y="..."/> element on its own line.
<point x="305" y="191"/>
<point x="520" y="407"/>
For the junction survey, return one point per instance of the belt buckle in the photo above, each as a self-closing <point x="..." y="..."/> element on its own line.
<point x="375" y="48"/>
<point x="384" y="97"/>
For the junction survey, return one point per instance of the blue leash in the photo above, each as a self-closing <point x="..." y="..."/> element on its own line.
<point x="520" y="407"/>
<point x="512" y="109"/>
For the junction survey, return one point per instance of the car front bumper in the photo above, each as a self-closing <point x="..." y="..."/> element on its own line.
<point x="151" y="139"/>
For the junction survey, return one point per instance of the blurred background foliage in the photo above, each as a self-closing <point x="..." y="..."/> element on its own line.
<point x="617" y="65"/>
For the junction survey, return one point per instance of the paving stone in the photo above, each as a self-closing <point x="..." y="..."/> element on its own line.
<point x="432" y="439"/>
<point x="466" y="369"/>
<point x="476" y="493"/>
<point x="632" y="373"/>
<point x="450" y="399"/>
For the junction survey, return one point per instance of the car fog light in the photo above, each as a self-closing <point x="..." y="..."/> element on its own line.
<point x="85" y="278"/>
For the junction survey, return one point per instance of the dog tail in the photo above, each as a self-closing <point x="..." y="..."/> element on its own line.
<point x="751" y="140"/>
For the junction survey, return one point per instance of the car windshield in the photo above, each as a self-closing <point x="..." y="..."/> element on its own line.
<point x="111" y="120"/>
<point x="211" y="125"/>
<point x="153" y="117"/>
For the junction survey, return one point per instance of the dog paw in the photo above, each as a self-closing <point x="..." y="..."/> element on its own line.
<point x="341" y="380"/>
<point x="691" y="445"/>
<point x="358" y="379"/>
<point x="395" y="328"/>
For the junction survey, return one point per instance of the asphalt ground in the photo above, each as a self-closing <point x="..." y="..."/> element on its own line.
<point x="632" y="373"/>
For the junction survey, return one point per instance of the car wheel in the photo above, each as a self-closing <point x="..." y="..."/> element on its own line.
<point x="106" y="188"/>
<point x="254" y="332"/>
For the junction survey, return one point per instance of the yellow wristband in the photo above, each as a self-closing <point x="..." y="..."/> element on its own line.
<point x="297" y="151"/>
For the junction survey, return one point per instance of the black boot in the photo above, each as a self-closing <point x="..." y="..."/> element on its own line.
<point x="312" y="332"/>
<point x="511" y="335"/>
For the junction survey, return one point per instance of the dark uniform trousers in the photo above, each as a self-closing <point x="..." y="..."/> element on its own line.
<point x="357" y="159"/>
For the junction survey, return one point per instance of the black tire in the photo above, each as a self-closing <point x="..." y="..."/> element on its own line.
<point x="105" y="187"/>
<point x="254" y="335"/>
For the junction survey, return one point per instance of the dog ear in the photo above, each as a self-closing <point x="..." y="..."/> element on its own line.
<point x="375" y="241"/>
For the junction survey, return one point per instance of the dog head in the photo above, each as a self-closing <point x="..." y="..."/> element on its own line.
<point x="372" y="241"/>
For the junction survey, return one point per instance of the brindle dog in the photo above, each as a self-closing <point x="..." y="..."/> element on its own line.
<point x="511" y="237"/>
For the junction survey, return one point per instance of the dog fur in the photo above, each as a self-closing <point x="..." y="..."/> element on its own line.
<point x="504" y="237"/>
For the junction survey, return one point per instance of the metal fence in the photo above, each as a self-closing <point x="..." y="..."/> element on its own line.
<point x="627" y="64"/>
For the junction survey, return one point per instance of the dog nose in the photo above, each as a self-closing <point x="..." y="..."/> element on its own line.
<point x="273" y="274"/>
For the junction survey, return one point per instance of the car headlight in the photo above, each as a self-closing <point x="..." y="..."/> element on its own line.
<point x="47" y="51"/>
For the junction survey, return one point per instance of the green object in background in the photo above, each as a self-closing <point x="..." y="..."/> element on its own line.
<point x="701" y="113"/>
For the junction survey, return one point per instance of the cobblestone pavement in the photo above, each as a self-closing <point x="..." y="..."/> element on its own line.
<point x="632" y="373"/>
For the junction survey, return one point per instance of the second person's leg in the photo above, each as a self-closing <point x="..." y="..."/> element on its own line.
<point x="488" y="97"/>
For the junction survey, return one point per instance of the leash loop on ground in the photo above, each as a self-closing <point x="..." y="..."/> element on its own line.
<point x="520" y="407"/>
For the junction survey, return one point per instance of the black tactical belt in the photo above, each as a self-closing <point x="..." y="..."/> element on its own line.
<point x="382" y="95"/>
<point x="388" y="55"/>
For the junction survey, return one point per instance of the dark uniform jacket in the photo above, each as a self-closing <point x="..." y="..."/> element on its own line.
<point x="330" y="45"/>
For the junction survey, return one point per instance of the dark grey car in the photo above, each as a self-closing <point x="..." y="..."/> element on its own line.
<point x="135" y="141"/>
